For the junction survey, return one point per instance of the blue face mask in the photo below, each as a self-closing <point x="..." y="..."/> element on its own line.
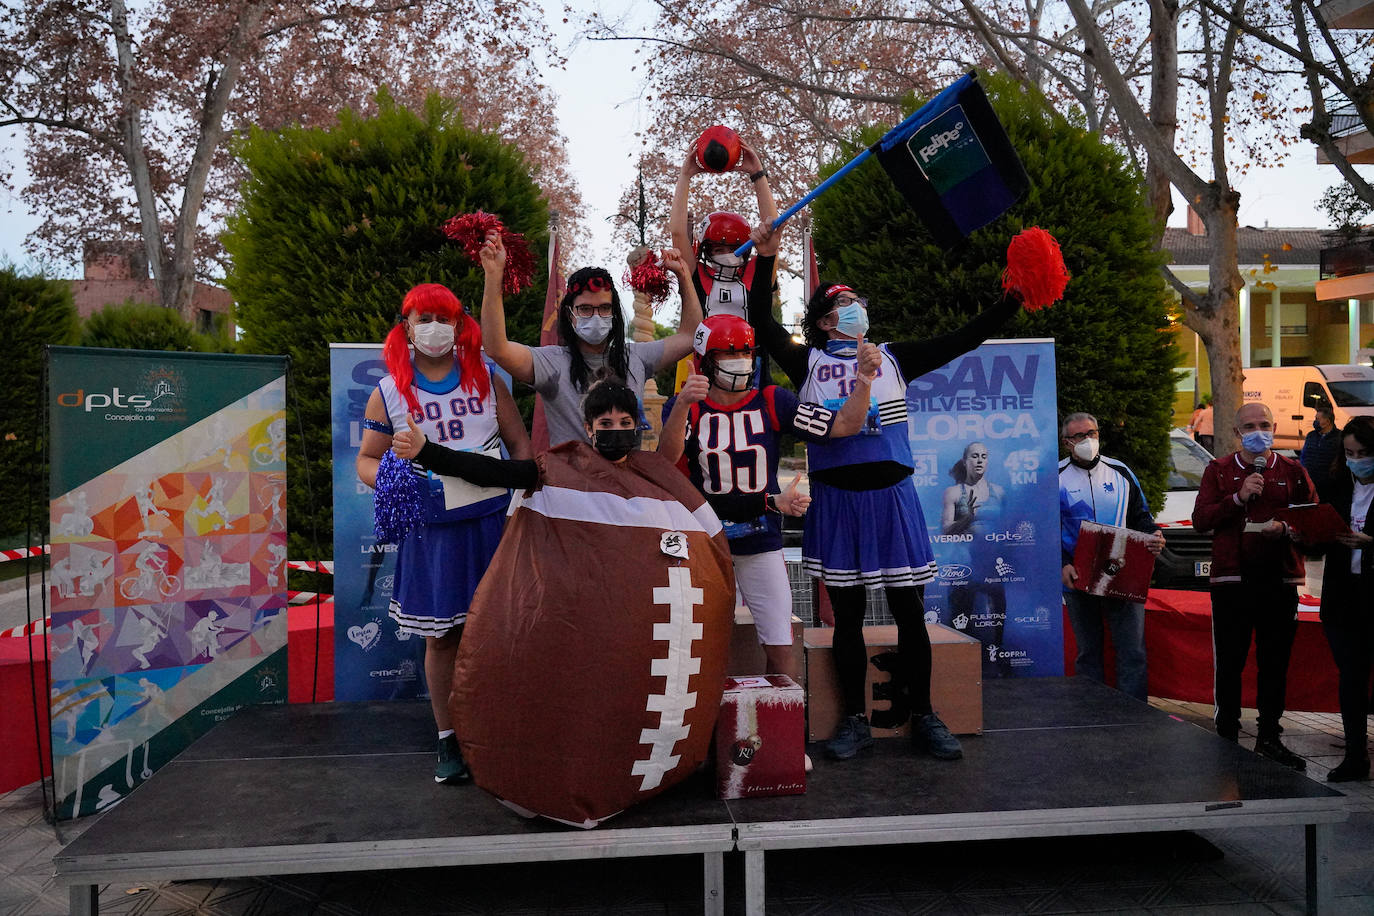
<point x="1361" y="467"/>
<point x="851" y="320"/>
<point x="846" y="349"/>
<point x="1257" y="441"/>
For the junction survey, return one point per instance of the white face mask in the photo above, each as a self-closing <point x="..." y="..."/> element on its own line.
<point x="1086" y="450"/>
<point x="593" y="329"/>
<point x="434" y="338"/>
<point x="734" y="374"/>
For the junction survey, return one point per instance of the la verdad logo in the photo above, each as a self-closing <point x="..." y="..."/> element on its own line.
<point x="99" y="400"/>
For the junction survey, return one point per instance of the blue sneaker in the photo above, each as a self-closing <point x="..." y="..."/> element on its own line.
<point x="929" y="734"/>
<point x="852" y="735"/>
<point x="451" y="768"/>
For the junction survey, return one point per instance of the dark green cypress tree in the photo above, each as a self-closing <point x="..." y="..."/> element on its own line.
<point x="336" y="224"/>
<point x="34" y="312"/>
<point x="1114" y="358"/>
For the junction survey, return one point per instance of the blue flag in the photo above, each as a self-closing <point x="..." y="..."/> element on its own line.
<point x="953" y="162"/>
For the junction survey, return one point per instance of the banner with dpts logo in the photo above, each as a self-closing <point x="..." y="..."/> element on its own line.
<point x="168" y="580"/>
<point x="984" y="436"/>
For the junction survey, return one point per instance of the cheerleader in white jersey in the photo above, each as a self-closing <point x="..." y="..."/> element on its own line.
<point x="865" y="528"/>
<point x="447" y="387"/>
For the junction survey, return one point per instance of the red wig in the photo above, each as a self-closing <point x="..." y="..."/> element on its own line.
<point x="436" y="299"/>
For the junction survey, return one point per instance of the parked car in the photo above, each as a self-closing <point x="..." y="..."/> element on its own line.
<point x="1186" y="561"/>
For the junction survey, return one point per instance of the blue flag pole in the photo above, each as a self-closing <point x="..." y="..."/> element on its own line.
<point x="900" y="132"/>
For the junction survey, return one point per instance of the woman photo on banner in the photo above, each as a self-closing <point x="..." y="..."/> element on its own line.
<point x="971" y="509"/>
<point x="438" y="378"/>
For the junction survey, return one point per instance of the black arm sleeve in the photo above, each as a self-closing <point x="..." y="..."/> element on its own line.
<point x="475" y="468"/>
<point x="773" y="337"/>
<point x="917" y="357"/>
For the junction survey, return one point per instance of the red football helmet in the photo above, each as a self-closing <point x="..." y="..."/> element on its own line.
<point x="721" y="233"/>
<point x="725" y="337"/>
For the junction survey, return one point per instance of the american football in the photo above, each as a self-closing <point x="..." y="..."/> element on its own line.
<point x="590" y="671"/>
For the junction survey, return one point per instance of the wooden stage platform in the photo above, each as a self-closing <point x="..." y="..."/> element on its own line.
<point x="346" y="787"/>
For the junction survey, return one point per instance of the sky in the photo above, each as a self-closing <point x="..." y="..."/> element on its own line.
<point x="600" y="110"/>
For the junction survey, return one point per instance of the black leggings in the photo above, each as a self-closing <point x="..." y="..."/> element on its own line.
<point x="851" y="654"/>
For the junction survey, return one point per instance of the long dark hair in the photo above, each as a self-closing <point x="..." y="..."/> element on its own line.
<point x="1362" y="428"/>
<point x="617" y="360"/>
<point x="818" y="306"/>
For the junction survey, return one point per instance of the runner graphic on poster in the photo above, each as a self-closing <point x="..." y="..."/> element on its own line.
<point x="168" y="598"/>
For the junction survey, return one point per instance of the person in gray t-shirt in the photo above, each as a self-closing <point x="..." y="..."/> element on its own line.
<point x="592" y="324"/>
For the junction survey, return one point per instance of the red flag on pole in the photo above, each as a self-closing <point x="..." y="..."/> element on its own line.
<point x="548" y="335"/>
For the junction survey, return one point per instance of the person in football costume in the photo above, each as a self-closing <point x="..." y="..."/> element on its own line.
<point x="725" y="434"/>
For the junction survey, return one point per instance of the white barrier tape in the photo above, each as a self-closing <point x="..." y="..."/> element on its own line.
<point x="28" y="629"/>
<point x="20" y="553"/>
<point x="323" y="566"/>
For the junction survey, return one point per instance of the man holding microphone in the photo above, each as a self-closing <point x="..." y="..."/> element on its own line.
<point x="1256" y="571"/>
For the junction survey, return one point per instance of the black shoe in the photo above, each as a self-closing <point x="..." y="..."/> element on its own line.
<point x="1351" y="769"/>
<point x="852" y="735"/>
<point x="450" y="768"/>
<point x="1230" y="734"/>
<point x="1273" y="749"/>
<point x="929" y="734"/>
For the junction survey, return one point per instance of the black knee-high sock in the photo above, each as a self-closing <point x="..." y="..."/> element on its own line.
<point x="851" y="655"/>
<point x="913" y="644"/>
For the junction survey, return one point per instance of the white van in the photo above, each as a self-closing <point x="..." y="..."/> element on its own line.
<point x="1294" y="393"/>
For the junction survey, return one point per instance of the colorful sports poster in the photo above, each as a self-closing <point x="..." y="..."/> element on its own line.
<point x="168" y="581"/>
<point x="372" y="659"/>
<point x="984" y="436"/>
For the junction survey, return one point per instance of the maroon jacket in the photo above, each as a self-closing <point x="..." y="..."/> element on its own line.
<point x="1254" y="556"/>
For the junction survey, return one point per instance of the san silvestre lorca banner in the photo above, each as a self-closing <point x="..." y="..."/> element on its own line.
<point x="984" y="439"/>
<point x="168" y="584"/>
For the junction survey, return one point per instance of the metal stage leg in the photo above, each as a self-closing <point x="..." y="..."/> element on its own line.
<point x="714" y="883"/>
<point x="1319" y="891"/>
<point x="85" y="899"/>
<point x="753" y="882"/>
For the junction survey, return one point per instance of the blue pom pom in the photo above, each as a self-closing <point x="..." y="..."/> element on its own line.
<point x="398" y="502"/>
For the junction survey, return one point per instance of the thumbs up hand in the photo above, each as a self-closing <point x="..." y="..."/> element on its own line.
<point x="870" y="360"/>
<point x="791" y="501"/>
<point x="406" y="443"/>
<point x="695" y="387"/>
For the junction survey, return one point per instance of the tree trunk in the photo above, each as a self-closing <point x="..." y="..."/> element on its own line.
<point x="1217" y="320"/>
<point x="183" y="272"/>
<point x="1163" y="101"/>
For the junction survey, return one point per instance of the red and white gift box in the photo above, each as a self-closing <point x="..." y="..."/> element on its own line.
<point x="761" y="738"/>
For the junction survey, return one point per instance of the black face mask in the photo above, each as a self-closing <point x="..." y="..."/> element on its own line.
<point x="614" y="444"/>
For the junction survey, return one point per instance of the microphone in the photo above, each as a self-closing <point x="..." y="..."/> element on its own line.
<point x="1260" y="464"/>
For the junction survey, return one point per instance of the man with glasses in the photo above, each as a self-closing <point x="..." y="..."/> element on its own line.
<point x="1256" y="571"/>
<point x="1095" y="488"/>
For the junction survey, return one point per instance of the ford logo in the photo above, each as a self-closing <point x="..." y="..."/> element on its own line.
<point x="955" y="572"/>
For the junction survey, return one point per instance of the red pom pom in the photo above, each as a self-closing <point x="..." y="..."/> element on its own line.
<point x="649" y="277"/>
<point x="470" y="230"/>
<point x="1035" y="269"/>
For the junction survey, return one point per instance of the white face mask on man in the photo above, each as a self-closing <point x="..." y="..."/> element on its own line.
<point x="1086" y="450"/>
<point x="433" y="338"/>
